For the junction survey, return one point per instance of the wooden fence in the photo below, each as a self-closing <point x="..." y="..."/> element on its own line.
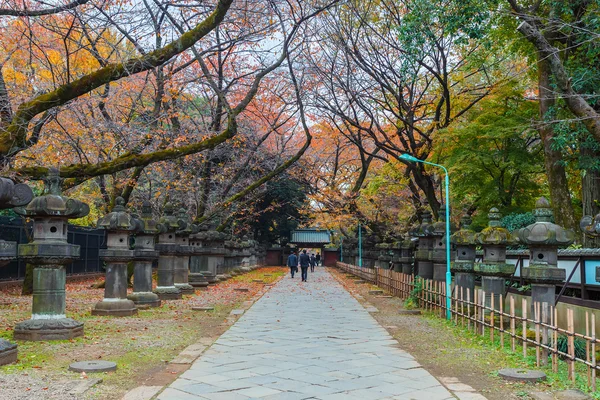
<point x="488" y="315"/>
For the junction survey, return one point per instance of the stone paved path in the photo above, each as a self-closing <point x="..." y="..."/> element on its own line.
<point x="306" y="341"/>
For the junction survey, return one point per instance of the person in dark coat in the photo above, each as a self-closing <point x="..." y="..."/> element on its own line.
<point x="304" y="261"/>
<point x="292" y="262"/>
<point x="318" y="258"/>
<point x="313" y="262"/>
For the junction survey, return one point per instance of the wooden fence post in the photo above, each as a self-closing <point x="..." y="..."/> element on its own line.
<point x="513" y="330"/>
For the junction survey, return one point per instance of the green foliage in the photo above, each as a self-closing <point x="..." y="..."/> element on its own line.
<point x="516" y="221"/>
<point x="562" y="343"/>
<point x="280" y="207"/>
<point x="412" y="301"/>
<point x="494" y="156"/>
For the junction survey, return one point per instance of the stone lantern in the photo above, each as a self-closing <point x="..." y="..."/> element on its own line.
<point x="212" y="255"/>
<point x="464" y="262"/>
<point x="196" y="276"/>
<point x="370" y="252"/>
<point x="11" y="195"/>
<point x="246" y="253"/>
<point x="229" y="260"/>
<point x="168" y="251"/>
<point x="118" y="225"/>
<point x="50" y="252"/>
<point x="396" y="255"/>
<point x="182" y="266"/>
<point x="590" y="226"/>
<point x="383" y="258"/>
<point x="424" y="232"/>
<point x="407" y="258"/>
<point x="253" y="253"/>
<point x="543" y="239"/>
<point x="438" y="254"/>
<point x="144" y="254"/>
<point x="494" y="269"/>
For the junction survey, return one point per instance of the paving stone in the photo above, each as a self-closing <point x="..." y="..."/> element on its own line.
<point x="142" y="393"/>
<point x="318" y="342"/>
<point x="84" y="385"/>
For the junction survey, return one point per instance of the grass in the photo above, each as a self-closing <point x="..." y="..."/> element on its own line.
<point x="555" y="380"/>
<point x="138" y="344"/>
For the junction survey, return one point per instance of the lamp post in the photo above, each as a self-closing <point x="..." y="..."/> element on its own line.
<point x="408" y="157"/>
<point x="359" y="245"/>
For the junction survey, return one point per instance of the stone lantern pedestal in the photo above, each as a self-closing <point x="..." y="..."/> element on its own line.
<point x="144" y="255"/>
<point x="384" y="258"/>
<point x="396" y="255"/>
<point x="182" y="265"/>
<point x="494" y="269"/>
<point x="424" y="250"/>
<point x="463" y="266"/>
<point x="8" y="252"/>
<point x="407" y="258"/>
<point x="543" y="239"/>
<point x="50" y="252"/>
<point x="196" y="277"/>
<point x="438" y="241"/>
<point x="11" y="195"/>
<point x="212" y="257"/>
<point x="168" y="251"/>
<point x="118" y="225"/>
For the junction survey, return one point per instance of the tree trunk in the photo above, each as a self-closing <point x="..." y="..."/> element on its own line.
<point x="555" y="171"/>
<point x="424" y="181"/>
<point x="590" y="193"/>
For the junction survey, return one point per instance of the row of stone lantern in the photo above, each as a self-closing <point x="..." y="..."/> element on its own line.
<point x="423" y="252"/>
<point x="49" y="252"/>
<point x="543" y="239"/>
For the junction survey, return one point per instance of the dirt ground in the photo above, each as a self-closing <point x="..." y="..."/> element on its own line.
<point x="446" y="351"/>
<point x="141" y="345"/>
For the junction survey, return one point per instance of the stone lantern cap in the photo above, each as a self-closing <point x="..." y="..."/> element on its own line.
<point x="14" y="195"/>
<point x="494" y="240"/>
<point x="147" y="224"/>
<point x="50" y="213"/>
<point x="494" y="234"/>
<point x="465" y="241"/>
<point x="52" y="203"/>
<point x="168" y="222"/>
<point x="408" y="243"/>
<point x="11" y="195"/>
<point x="439" y="228"/>
<point x="118" y="220"/>
<point x="185" y="226"/>
<point x="465" y="236"/>
<point x="543" y="239"/>
<point x="543" y="232"/>
<point x="425" y="228"/>
<point x="118" y="224"/>
<point x="590" y="226"/>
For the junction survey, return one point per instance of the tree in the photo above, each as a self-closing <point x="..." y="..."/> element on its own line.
<point x="563" y="36"/>
<point x="396" y="73"/>
<point x="495" y="155"/>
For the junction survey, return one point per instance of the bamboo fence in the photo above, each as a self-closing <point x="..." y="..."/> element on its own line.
<point x="487" y="315"/>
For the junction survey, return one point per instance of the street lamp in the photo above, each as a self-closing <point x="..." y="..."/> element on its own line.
<point x="408" y="157"/>
<point x="360" y="263"/>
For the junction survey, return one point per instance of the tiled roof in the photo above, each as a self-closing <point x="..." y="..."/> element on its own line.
<point x="315" y="236"/>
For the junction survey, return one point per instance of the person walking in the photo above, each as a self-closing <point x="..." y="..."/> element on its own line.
<point x="304" y="261"/>
<point x="313" y="262"/>
<point x="292" y="262"/>
<point x="318" y="258"/>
